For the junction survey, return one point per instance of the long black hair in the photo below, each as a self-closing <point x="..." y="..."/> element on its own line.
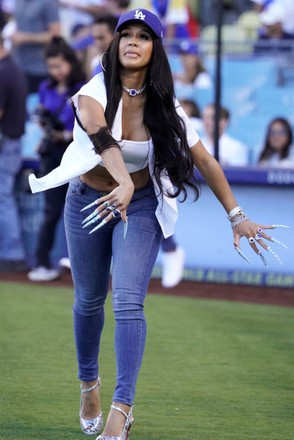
<point x="57" y="46"/>
<point x="166" y="127"/>
<point x="268" y="151"/>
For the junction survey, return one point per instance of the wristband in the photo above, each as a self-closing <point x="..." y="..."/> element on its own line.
<point x="234" y="212"/>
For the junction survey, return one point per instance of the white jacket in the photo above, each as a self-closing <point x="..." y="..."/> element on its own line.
<point x="80" y="157"/>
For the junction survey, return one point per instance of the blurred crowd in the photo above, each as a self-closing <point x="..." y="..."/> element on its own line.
<point x="88" y="25"/>
<point x="49" y="48"/>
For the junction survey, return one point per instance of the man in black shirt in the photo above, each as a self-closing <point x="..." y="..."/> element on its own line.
<point x="13" y="91"/>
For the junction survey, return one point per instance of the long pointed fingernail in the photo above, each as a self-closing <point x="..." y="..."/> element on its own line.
<point x="89" y="206"/>
<point x="94" y="214"/>
<point x="275" y="255"/>
<point x="263" y="258"/>
<point x="98" y="226"/>
<point x="281" y="226"/>
<point x="274" y="240"/>
<point x="243" y="255"/>
<point x="125" y="228"/>
<point x="94" y="220"/>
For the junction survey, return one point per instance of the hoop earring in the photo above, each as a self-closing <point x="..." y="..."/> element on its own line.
<point x="100" y="61"/>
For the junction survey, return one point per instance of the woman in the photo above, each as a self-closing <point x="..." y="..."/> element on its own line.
<point x="278" y="149"/>
<point x="57" y="119"/>
<point x="194" y="72"/>
<point x="132" y="177"/>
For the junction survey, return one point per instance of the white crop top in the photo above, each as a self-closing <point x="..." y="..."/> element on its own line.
<point x="135" y="154"/>
<point x="80" y="156"/>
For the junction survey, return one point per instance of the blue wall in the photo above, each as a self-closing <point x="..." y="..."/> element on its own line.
<point x="205" y="233"/>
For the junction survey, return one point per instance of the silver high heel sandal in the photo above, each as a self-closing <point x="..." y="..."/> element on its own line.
<point x="93" y="426"/>
<point x="126" y="429"/>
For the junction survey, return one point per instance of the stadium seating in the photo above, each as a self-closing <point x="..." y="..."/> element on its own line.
<point x="249" y="21"/>
<point x="234" y="39"/>
<point x="273" y="101"/>
<point x="252" y="89"/>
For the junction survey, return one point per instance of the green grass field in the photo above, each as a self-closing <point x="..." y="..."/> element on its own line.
<point x="213" y="370"/>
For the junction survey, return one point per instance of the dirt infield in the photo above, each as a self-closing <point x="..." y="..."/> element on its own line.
<point x="229" y="292"/>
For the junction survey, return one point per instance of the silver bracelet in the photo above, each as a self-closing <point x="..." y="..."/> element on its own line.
<point x="237" y="220"/>
<point x="234" y="212"/>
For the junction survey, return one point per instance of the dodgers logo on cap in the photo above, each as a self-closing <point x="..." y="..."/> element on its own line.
<point x="139" y="15"/>
<point x="149" y="19"/>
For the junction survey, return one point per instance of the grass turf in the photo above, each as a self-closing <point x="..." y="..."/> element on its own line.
<point x="213" y="370"/>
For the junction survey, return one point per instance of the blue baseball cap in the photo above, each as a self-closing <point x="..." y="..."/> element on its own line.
<point x="143" y="16"/>
<point x="188" y="48"/>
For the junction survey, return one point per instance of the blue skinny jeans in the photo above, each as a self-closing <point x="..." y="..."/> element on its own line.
<point x="132" y="261"/>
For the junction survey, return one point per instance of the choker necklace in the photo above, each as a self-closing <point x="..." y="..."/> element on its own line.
<point x="134" y="92"/>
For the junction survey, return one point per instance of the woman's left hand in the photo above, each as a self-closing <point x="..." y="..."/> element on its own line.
<point x="255" y="235"/>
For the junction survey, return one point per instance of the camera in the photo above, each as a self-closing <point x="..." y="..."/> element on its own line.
<point x="48" y="120"/>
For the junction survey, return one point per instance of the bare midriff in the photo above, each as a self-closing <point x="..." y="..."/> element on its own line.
<point x="133" y="129"/>
<point x="100" y="179"/>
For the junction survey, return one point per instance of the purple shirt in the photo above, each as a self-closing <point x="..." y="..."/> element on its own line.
<point x="58" y="103"/>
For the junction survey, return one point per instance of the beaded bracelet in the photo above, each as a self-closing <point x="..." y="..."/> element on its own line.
<point x="238" y="219"/>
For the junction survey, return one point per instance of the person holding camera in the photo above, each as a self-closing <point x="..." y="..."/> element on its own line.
<point x="56" y="117"/>
<point x="13" y="91"/>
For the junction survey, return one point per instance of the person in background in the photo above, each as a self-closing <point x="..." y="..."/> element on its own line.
<point x="13" y="90"/>
<point x="277" y="33"/>
<point x="278" y="150"/>
<point x="102" y="31"/>
<point x="85" y="9"/>
<point x="273" y="19"/>
<point x="231" y="151"/>
<point x="194" y="72"/>
<point x="7" y="24"/>
<point x="118" y="7"/>
<point x="57" y="119"/>
<point x="173" y="255"/>
<point x="7" y="7"/>
<point x="193" y="112"/>
<point x="36" y="23"/>
<point x="173" y="261"/>
<point x="288" y="19"/>
<point x="287" y="8"/>
<point x="261" y="5"/>
<point x="79" y="13"/>
<point x="2" y="18"/>
<point x="80" y="39"/>
<point x="231" y="11"/>
<point x="93" y="40"/>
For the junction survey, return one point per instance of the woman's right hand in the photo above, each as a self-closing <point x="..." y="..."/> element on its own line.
<point x="120" y="198"/>
<point x="110" y="206"/>
<point x="93" y="118"/>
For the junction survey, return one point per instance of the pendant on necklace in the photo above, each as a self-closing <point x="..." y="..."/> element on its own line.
<point x="134" y="92"/>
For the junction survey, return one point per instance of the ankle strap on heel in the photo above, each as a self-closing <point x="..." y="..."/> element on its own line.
<point x="88" y="390"/>
<point x="129" y="417"/>
<point x="117" y="408"/>
<point x="127" y="426"/>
